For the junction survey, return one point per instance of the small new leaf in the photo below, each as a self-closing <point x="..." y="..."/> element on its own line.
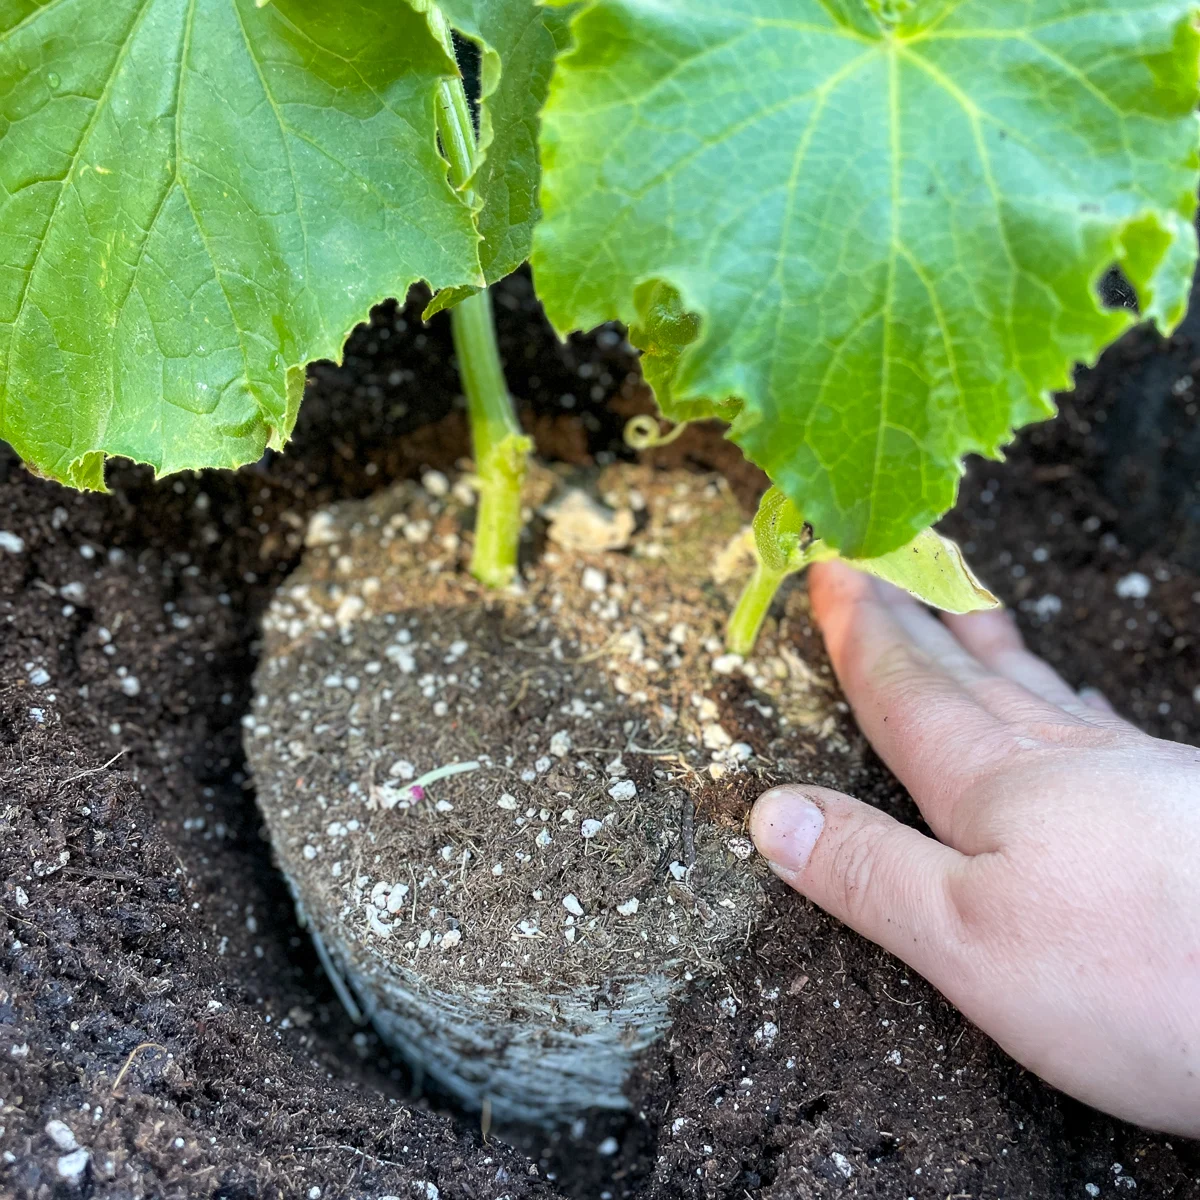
<point x="869" y="230"/>
<point x="932" y="568"/>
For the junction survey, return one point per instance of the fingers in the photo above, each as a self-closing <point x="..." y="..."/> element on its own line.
<point x="1097" y="701"/>
<point x="908" y="681"/>
<point x="994" y="640"/>
<point x="883" y="879"/>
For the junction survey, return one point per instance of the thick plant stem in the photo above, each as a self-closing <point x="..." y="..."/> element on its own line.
<point x="501" y="450"/>
<point x="752" y="608"/>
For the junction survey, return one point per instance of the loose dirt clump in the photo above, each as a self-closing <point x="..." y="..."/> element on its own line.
<point x="515" y="822"/>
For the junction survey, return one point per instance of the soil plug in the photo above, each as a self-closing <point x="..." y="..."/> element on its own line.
<point x="487" y="842"/>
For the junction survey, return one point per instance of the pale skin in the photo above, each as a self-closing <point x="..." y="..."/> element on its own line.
<point x="1058" y="905"/>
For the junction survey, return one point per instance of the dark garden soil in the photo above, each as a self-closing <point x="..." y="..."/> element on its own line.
<point x="159" y="1001"/>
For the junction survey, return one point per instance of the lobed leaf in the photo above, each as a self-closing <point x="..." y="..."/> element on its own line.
<point x="871" y="229"/>
<point x="198" y="197"/>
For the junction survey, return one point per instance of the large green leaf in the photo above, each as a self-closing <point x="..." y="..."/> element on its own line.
<point x="888" y="218"/>
<point x="198" y="197"/>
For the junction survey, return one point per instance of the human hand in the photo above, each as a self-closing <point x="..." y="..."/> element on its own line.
<point x="1060" y="909"/>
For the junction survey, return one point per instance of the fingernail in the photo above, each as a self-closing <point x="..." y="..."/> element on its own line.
<point x="785" y="825"/>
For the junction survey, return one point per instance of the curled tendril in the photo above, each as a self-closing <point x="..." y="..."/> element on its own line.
<point x="642" y="432"/>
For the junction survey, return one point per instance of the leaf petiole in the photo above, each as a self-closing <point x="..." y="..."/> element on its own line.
<point x="501" y="448"/>
<point x="752" y="606"/>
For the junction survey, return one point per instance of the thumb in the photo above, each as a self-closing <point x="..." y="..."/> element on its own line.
<point x="886" y="880"/>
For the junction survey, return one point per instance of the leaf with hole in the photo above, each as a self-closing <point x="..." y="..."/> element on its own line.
<point x="870" y="231"/>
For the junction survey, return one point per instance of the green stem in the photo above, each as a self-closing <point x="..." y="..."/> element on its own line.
<point x="501" y="449"/>
<point x="752" y="607"/>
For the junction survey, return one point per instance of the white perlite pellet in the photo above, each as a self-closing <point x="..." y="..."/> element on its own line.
<point x="11" y="543"/>
<point x="72" y="1166"/>
<point x="1134" y="586"/>
<point x="766" y="1033"/>
<point x="61" y="1134"/>
<point x="623" y="789"/>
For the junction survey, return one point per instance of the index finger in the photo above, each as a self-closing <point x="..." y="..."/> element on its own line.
<point x="922" y="720"/>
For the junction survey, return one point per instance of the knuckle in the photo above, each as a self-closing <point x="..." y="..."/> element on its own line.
<point x="855" y="868"/>
<point x="895" y="664"/>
